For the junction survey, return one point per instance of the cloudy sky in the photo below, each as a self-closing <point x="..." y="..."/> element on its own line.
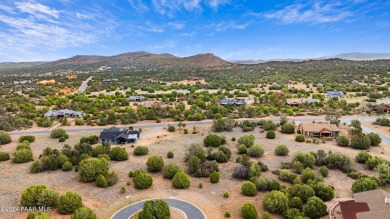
<point x="32" y="30"/>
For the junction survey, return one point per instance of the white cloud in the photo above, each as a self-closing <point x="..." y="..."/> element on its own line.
<point x="138" y="5"/>
<point x="216" y="3"/>
<point x="38" y="10"/>
<point x="42" y="34"/>
<point x="222" y="26"/>
<point x="187" y="34"/>
<point x="311" y="12"/>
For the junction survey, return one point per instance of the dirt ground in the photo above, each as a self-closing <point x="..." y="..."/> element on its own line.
<point x="14" y="178"/>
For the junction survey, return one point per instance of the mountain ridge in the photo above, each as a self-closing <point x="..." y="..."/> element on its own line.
<point x="142" y="59"/>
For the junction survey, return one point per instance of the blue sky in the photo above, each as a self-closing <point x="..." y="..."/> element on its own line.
<point x="32" y="30"/>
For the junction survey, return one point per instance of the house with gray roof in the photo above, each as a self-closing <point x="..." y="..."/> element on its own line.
<point x="54" y="114"/>
<point x="335" y="94"/>
<point x="115" y="135"/>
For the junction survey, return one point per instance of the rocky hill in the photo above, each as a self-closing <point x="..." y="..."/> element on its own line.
<point x="138" y="60"/>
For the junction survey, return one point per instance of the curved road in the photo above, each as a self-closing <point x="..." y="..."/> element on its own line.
<point x="192" y="211"/>
<point x="159" y="126"/>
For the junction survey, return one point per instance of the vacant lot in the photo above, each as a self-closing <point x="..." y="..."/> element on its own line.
<point x="14" y="178"/>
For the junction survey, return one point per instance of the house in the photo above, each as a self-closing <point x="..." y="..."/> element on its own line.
<point x="385" y="108"/>
<point x="110" y="80"/>
<point x="54" y="114"/>
<point x="359" y="83"/>
<point x="231" y="102"/>
<point x="136" y="98"/>
<point x="319" y="130"/>
<point x="114" y="135"/>
<point x="366" y="205"/>
<point x="192" y="78"/>
<point x="335" y="94"/>
<point x="153" y="104"/>
<point x="297" y="101"/>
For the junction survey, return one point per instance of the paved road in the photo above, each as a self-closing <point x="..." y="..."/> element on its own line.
<point x="158" y="126"/>
<point x="192" y="211"/>
<point x="84" y="85"/>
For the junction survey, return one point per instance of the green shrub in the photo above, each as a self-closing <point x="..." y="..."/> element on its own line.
<point x="266" y="215"/>
<point x="196" y="150"/>
<point x="360" y="141"/>
<point x="227" y="214"/>
<point x="181" y="180"/>
<point x="140" y="150"/>
<point x="61" y="139"/>
<point x="200" y="185"/>
<point x="29" y="138"/>
<point x="4" y="156"/>
<point x="35" y="167"/>
<point x="131" y="174"/>
<point x="249" y="211"/>
<point x="57" y="133"/>
<point x="219" y="156"/>
<point x="364" y="184"/>
<point x="83" y="213"/>
<point x="288" y="128"/>
<point x="214" y="177"/>
<point x="307" y="159"/>
<point x="185" y="131"/>
<point x="242" y="149"/>
<point x="122" y="190"/>
<point x="300" y="138"/>
<point x="101" y="181"/>
<point x="247" y="140"/>
<point x="170" y="154"/>
<point x="248" y="188"/>
<point x="373" y="162"/>
<point x="212" y="140"/>
<point x="171" y="128"/>
<point x="339" y="161"/>
<point x="304" y="192"/>
<point x="362" y="157"/>
<point x="287" y="176"/>
<point x="170" y="170"/>
<point x="281" y="150"/>
<point x="270" y="134"/>
<point x="256" y="151"/>
<point x="260" y="182"/>
<point x="112" y="178"/>
<point x="67" y="166"/>
<point x="155" y="209"/>
<point x="22" y="156"/>
<point x="374" y="138"/>
<point x="118" y="154"/>
<point x="79" y="122"/>
<point x="315" y="208"/>
<point x="69" y="202"/>
<point x="38" y="215"/>
<point x="295" y="202"/>
<point x="155" y="164"/>
<point x="5" y="138"/>
<point x="324" y="171"/>
<point x="23" y="145"/>
<point x="90" y="168"/>
<point x="226" y="195"/>
<point x="193" y="165"/>
<point x="233" y="139"/>
<point x="342" y="141"/>
<point x="275" y="202"/>
<point x="142" y="181"/>
<point x="39" y="196"/>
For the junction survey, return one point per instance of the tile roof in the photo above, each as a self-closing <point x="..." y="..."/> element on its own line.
<point x="319" y="127"/>
<point x="349" y="209"/>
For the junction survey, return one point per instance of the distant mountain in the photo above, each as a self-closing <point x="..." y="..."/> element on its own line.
<point x="358" y="56"/>
<point x="137" y="60"/>
<point x="264" y="61"/>
<point x="355" y="56"/>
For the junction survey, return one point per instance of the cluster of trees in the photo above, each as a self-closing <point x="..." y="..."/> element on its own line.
<point x="358" y="139"/>
<point x="45" y="197"/>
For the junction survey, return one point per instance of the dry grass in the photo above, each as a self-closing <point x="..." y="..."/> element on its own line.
<point x="14" y="178"/>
